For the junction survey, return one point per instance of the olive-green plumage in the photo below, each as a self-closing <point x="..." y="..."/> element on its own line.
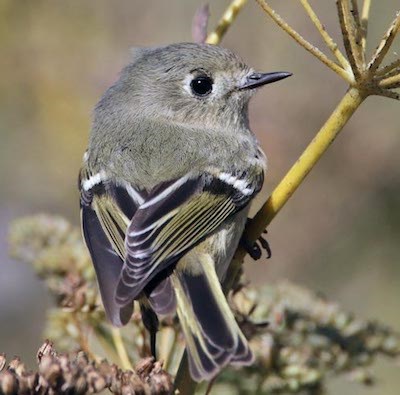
<point x="166" y="184"/>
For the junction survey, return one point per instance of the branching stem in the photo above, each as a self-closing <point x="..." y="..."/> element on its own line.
<point x="326" y="37"/>
<point x="304" y="43"/>
<point x="384" y="45"/>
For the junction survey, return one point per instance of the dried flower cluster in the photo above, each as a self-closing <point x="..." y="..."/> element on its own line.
<point x="75" y="374"/>
<point x="307" y="338"/>
<point x="299" y="338"/>
<point x="56" y="251"/>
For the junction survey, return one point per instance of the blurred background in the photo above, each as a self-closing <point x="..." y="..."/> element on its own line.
<point x="338" y="235"/>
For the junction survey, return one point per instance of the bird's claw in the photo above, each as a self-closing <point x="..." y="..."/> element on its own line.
<point x="265" y="245"/>
<point x="254" y="249"/>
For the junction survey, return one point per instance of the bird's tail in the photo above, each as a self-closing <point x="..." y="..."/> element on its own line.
<point x="213" y="337"/>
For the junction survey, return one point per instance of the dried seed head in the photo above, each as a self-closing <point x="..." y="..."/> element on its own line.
<point x="160" y="383"/>
<point x="2" y="361"/>
<point x="16" y="365"/>
<point x="50" y="370"/>
<point x="145" y="366"/>
<point x="8" y="383"/>
<point x="26" y="382"/>
<point x="45" y="349"/>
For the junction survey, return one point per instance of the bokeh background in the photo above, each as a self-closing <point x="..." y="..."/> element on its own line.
<point x="340" y="232"/>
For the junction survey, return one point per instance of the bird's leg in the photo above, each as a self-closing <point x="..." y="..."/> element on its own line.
<point x="151" y="323"/>
<point x="253" y="248"/>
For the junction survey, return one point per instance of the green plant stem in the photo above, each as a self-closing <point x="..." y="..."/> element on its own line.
<point x="120" y="348"/>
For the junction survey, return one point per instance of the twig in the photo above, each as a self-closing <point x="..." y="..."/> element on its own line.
<point x="169" y="346"/>
<point x="356" y="15"/>
<point x="210" y="385"/>
<point x="226" y="20"/>
<point x="384" y="45"/>
<point x="106" y="342"/>
<point x="390" y="67"/>
<point x="307" y="160"/>
<point x="349" y="34"/>
<point x="364" y="23"/>
<point x="390" y="82"/>
<point x="304" y="43"/>
<point x="387" y="93"/>
<point x="359" y="31"/>
<point x="326" y="37"/>
<point x="121" y="350"/>
<point x="82" y="339"/>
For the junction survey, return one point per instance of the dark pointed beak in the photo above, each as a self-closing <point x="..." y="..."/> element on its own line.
<point x="259" y="79"/>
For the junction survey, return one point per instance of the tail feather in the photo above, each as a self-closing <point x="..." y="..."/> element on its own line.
<point x="205" y="360"/>
<point x="162" y="298"/>
<point x="212" y="334"/>
<point x="244" y="355"/>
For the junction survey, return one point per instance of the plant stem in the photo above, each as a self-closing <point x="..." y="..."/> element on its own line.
<point x="384" y="45"/>
<point x="83" y="340"/>
<point x="353" y="50"/>
<point x="364" y="23"/>
<point x="226" y="20"/>
<point x="285" y="189"/>
<point x="389" y="68"/>
<point x="324" y="34"/>
<point x="320" y="143"/>
<point x="121" y="350"/>
<point x="390" y="81"/>
<point x="105" y="339"/>
<point x="304" y="43"/>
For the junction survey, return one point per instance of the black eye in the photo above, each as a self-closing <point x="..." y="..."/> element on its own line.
<point x="201" y="86"/>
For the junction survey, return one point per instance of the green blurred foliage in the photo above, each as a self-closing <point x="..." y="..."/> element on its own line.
<point x="338" y="234"/>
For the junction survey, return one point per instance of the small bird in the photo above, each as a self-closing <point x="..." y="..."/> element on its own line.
<point x="165" y="189"/>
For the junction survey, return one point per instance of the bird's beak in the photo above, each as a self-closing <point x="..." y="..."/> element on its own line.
<point x="255" y="80"/>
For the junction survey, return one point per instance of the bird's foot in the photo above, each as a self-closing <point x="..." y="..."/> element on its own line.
<point x="254" y="249"/>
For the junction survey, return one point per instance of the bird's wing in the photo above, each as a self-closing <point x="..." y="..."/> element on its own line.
<point x="176" y="216"/>
<point x="106" y="211"/>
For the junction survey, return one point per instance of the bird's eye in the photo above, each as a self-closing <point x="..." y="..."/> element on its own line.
<point x="201" y="86"/>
